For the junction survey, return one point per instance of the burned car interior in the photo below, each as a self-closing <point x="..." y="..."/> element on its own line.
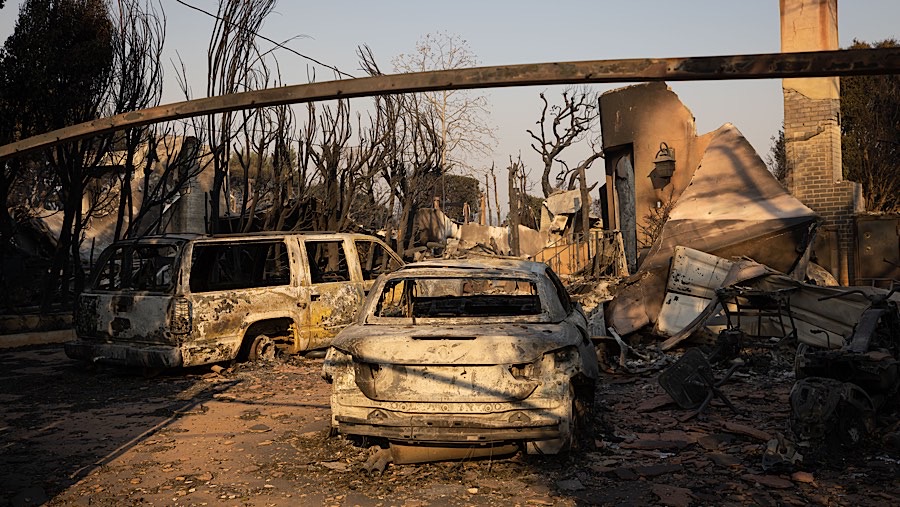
<point x="327" y="262"/>
<point x="453" y="297"/>
<point x="229" y="266"/>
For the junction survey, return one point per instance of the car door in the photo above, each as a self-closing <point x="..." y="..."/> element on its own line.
<point x="234" y="283"/>
<point x="335" y="295"/>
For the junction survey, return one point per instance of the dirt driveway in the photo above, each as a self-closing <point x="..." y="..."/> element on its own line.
<point x="257" y="435"/>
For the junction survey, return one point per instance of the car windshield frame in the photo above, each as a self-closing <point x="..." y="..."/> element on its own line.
<point x="538" y="310"/>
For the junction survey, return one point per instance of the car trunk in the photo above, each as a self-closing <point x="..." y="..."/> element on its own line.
<point x="455" y="364"/>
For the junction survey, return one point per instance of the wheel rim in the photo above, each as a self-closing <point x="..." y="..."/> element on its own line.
<point x="263" y="349"/>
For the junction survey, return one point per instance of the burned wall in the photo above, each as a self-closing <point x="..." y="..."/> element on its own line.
<point x="634" y="121"/>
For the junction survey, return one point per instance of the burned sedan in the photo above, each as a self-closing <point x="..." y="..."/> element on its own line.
<point x="465" y="355"/>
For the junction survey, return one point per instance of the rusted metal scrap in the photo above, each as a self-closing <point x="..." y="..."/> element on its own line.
<point x="828" y="411"/>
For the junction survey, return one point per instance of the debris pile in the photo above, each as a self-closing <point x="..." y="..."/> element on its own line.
<point x="745" y="455"/>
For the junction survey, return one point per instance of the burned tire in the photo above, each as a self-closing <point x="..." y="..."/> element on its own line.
<point x="262" y="348"/>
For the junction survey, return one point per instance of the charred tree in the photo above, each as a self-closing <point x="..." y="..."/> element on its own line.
<point x="408" y="155"/>
<point x="58" y="65"/>
<point x="232" y="54"/>
<point x="560" y="127"/>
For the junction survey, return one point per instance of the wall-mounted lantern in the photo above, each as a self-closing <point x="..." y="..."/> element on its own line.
<point x="664" y="163"/>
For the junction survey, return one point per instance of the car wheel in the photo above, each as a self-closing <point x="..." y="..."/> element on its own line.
<point x="262" y="349"/>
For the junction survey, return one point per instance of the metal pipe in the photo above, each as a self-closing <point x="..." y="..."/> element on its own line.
<point x="378" y="461"/>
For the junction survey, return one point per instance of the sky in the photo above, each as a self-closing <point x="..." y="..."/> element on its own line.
<point x="529" y="31"/>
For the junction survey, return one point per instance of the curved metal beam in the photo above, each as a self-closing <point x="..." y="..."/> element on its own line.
<point x="704" y="68"/>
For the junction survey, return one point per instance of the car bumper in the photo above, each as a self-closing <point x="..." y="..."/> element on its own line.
<point x="450" y="428"/>
<point x="151" y="356"/>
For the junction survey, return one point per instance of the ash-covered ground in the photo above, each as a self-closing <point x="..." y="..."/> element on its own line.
<point x="257" y="434"/>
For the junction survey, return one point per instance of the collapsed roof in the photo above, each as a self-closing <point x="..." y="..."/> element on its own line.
<point x="733" y="206"/>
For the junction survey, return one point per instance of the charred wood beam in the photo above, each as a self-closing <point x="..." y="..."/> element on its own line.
<point x="704" y="68"/>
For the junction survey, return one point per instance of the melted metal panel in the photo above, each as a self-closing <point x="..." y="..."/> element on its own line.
<point x="129" y="318"/>
<point x="221" y="315"/>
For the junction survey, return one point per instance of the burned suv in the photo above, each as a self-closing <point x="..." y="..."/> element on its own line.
<point x="472" y="355"/>
<point x="186" y="300"/>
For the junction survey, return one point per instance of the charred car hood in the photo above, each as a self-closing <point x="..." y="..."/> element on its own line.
<point x="469" y="344"/>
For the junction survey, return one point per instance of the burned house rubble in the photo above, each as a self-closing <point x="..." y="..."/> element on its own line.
<point x="732" y="206"/>
<point x="560" y="219"/>
<point x="845" y="344"/>
<point x="730" y="276"/>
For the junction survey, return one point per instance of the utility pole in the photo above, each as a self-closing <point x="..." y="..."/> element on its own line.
<point x="496" y="197"/>
<point x="585" y="204"/>
<point x="513" y="210"/>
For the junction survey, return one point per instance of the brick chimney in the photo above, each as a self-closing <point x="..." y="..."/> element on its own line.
<point x="812" y="135"/>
